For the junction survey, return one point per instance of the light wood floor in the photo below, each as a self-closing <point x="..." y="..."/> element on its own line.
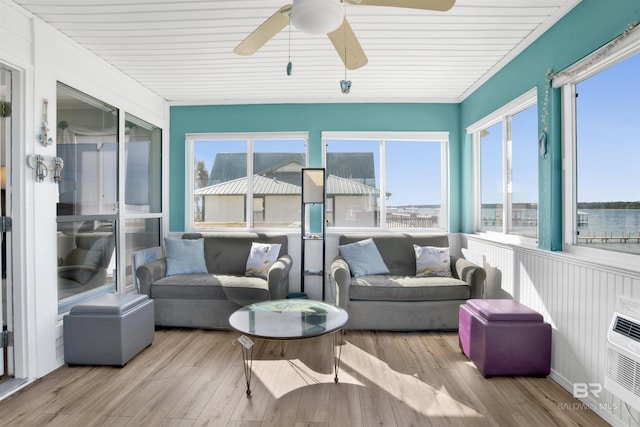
<point x="196" y="378"/>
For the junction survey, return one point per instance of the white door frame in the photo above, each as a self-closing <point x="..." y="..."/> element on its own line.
<point x="24" y="363"/>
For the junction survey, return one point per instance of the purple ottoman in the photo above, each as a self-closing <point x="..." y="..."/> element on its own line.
<point x="504" y="337"/>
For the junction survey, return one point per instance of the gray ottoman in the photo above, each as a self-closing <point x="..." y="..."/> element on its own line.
<point x="108" y="330"/>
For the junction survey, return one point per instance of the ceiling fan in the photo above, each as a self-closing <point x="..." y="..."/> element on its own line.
<point x="327" y="17"/>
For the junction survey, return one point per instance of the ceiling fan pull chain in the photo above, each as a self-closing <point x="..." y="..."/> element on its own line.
<point x="345" y="40"/>
<point x="345" y="85"/>
<point x="289" y="64"/>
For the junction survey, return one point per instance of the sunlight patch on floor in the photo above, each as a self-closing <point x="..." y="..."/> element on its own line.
<point x="280" y="377"/>
<point x="408" y="388"/>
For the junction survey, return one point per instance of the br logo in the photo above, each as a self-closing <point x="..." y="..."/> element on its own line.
<point x="583" y="390"/>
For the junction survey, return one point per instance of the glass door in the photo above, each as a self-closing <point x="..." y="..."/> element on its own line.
<point x="6" y="346"/>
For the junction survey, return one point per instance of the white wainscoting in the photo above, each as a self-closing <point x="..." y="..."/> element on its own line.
<point x="577" y="297"/>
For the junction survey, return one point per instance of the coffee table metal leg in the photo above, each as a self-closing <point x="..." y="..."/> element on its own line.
<point x="337" y="341"/>
<point x="247" y="360"/>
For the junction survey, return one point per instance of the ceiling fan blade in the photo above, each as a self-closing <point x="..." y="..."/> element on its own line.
<point x="438" y="5"/>
<point x="348" y="47"/>
<point x="265" y="32"/>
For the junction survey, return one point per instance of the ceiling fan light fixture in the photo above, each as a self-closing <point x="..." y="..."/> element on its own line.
<point x="317" y="16"/>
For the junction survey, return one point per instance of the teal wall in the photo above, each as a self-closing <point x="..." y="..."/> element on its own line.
<point x="590" y="25"/>
<point x="312" y="118"/>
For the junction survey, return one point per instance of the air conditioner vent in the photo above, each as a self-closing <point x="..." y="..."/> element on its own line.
<point x="627" y="328"/>
<point x="623" y="370"/>
<point x="622" y="373"/>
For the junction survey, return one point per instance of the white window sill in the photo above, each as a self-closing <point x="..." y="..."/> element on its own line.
<point x="615" y="262"/>
<point x="507" y="239"/>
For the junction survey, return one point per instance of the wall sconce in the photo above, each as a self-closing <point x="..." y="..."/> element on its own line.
<point x="58" y="165"/>
<point x="43" y="164"/>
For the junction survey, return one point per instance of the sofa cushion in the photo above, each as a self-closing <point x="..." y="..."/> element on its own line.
<point x="227" y="253"/>
<point x="240" y="289"/>
<point x="432" y="261"/>
<point x="397" y="249"/>
<point x="261" y="258"/>
<point x="408" y="288"/>
<point x="185" y="256"/>
<point x="363" y="258"/>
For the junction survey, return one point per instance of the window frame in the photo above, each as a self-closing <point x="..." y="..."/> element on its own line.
<point x="249" y="137"/>
<point x="102" y="213"/>
<point x="441" y="137"/>
<point x="567" y="80"/>
<point x="501" y="115"/>
<point x="118" y="214"/>
<point x="126" y="215"/>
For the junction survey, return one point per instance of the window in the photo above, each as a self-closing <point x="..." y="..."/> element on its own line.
<point x="143" y="161"/>
<point x="395" y="180"/>
<point x="602" y="137"/>
<point x="101" y="220"/>
<point x="87" y="142"/>
<point x="246" y="181"/>
<point x="142" y="189"/>
<point x="507" y="168"/>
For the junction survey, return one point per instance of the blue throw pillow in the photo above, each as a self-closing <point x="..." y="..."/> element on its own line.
<point x="185" y="256"/>
<point x="363" y="258"/>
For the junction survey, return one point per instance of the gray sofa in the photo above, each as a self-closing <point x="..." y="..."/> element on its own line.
<point x="207" y="300"/>
<point x="401" y="301"/>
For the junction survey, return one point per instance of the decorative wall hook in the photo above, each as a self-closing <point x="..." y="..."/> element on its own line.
<point x="44" y="137"/>
<point x="43" y="164"/>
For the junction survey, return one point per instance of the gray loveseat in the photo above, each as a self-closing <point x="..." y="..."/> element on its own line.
<point x="400" y="300"/>
<point x="207" y="300"/>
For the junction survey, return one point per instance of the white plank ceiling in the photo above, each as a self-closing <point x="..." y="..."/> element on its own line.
<point x="183" y="50"/>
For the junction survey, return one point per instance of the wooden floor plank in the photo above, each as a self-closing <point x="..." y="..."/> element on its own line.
<point x="196" y="378"/>
<point x="212" y="372"/>
<point x="344" y="406"/>
<point x="222" y="403"/>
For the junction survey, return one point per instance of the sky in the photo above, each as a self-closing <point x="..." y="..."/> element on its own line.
<point x="524" y="159"/>
<point x="608" y="133"/>
<point x="608" y="129"/>
<point x="608" y="138"/>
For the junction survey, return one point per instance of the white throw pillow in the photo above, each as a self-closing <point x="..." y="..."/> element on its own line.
<point x="261" y="258"/>
<point x="432" y="261"/>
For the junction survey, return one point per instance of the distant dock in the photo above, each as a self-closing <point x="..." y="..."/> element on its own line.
<point x="609" y="237"/>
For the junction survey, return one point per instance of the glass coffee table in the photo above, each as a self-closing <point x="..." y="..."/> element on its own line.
<point x="288" y="319"/>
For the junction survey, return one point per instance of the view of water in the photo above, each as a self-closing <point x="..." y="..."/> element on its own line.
<point x="596" y="224"/>
<point x="611" y="222"/>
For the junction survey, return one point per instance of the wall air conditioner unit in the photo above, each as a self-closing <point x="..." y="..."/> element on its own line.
<point x="622" y="375"/>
